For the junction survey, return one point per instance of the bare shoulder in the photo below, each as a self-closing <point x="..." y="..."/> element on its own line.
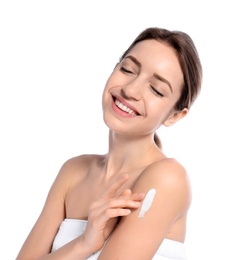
<point x="40" y="239"/>
<point x="161" y="215"/>
<point x="165" y="171"/>
<point x="169" y="178"/>
<point x="81" y="161"/>
<point x="77" y="167"/>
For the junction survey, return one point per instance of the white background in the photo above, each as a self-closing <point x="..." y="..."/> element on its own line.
<point x="55" y="57"/>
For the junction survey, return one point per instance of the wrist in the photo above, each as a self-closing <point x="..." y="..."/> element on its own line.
<point x="91" y="245"/>
<point x="84" y="248"/>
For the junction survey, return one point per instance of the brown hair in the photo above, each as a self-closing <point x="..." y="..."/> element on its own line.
<point x="188" y="58"/>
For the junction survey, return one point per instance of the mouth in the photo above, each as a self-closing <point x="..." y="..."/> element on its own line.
<point x="129" y="110"/>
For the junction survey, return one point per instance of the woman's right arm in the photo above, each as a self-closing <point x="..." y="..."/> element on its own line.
<point x="39" y="241"/>
<point x="102" y="218"/>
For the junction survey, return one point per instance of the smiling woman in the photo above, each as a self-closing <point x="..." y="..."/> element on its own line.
<point x="139" y="199"/>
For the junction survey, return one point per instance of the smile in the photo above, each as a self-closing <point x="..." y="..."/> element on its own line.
<point x="125" y="108"/>
<point x="122" y="107"/>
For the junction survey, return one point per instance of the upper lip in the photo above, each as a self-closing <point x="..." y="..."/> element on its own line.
<point x="124" y="102"/>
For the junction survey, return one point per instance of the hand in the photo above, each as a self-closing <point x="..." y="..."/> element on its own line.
<point x="105" y="211"/>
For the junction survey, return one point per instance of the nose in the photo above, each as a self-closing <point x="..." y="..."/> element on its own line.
<point x="132" y="90"/>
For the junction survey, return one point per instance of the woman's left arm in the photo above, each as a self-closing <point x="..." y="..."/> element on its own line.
<point x="139" y="236"/>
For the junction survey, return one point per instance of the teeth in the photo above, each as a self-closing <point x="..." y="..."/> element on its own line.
<point x="125" y="108"/>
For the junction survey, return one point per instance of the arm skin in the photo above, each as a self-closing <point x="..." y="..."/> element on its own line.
<point x="102" y="218"/>
<point x="139" y="238"/>
<point x="39" y="242"/>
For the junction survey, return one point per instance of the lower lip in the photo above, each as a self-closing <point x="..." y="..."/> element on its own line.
<point x="121" y="112"/>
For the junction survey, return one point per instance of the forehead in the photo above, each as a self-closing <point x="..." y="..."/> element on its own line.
<point x="160" y="58"/>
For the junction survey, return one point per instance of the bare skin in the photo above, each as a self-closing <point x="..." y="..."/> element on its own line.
<point x="102" y="188"/>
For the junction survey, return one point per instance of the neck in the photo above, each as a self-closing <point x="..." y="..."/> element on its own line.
<point x="129" y="153"/>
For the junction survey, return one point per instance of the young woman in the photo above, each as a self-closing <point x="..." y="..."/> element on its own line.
<point x="132" y="202"/>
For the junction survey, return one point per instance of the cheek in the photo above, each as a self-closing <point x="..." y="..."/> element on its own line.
<point x="159" y="111"/>
<point x="106" y="90"/>
<point x="111" y="79"/>
<point x="111" y="83"/>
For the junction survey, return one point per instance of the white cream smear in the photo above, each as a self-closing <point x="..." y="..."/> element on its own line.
<point x="147" y="202"/>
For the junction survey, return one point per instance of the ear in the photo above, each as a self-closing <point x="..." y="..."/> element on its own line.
<point x="177" y="115"/>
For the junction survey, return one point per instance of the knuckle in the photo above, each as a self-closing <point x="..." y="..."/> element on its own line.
<point x="107" y="213"/>
<point x="111" y="204"/>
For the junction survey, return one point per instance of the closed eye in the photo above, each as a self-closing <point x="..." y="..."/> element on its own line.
<point x="156" y="91"/>
<point x="125" y="70"/>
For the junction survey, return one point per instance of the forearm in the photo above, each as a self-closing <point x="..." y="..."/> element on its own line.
<point x="77" y="249"/>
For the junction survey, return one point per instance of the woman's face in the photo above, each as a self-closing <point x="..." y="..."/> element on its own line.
<point x="141" y="92"/>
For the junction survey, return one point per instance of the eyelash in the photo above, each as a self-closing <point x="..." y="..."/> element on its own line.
<point x="156" y="92"/>
<point x="153" y="89"/>
<point x="125" y="70"/>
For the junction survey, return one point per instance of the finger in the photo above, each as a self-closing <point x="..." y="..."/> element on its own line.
<point x="115" y="204"/>
<point x="111" y="213"/>
<point x="119" y="212"/>
<point x="132" y="196"/>
<point x="126" y="201"/>
<point x="115" y="186"/>
<point x="126" y="192"/>
<point x="98" y="212"/>
<point x="108" y="215"/>
<point x="123" y="203"/>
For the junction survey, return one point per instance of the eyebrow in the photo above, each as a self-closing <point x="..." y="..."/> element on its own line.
<point x="134" y="60"/>
<point x="155" y="75"/>
<point x="163" y="80"/>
